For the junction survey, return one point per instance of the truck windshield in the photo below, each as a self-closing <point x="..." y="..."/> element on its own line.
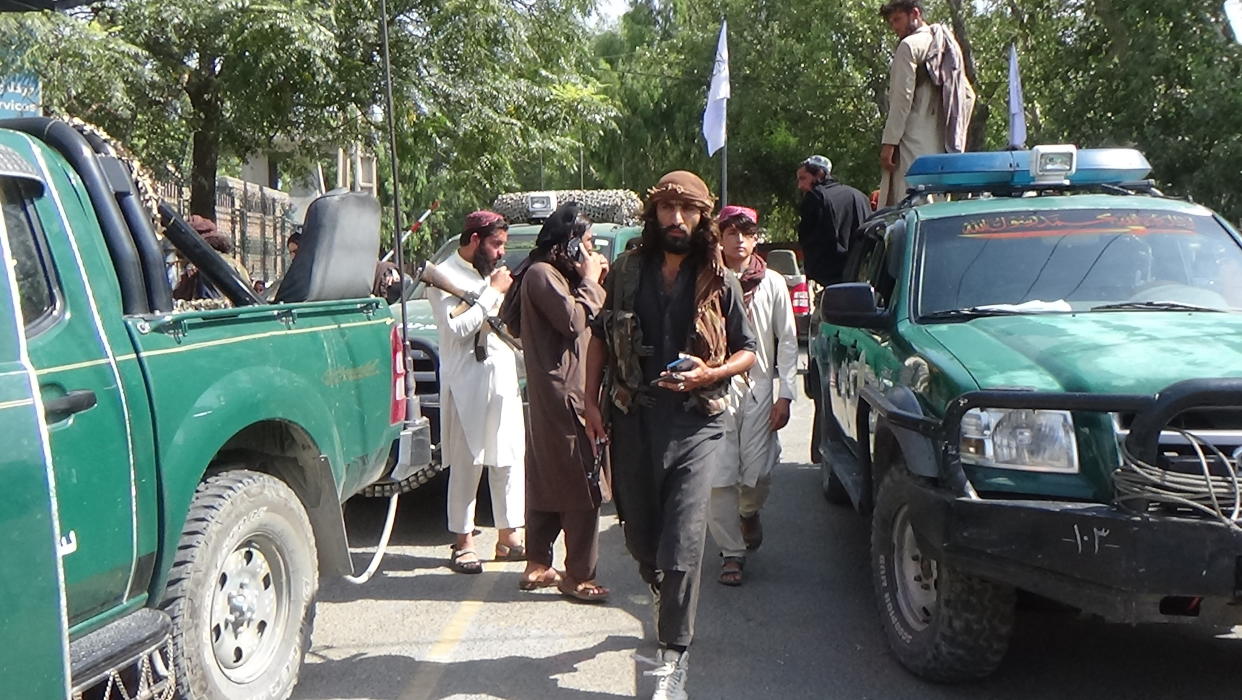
<point x="1072" y="260"/>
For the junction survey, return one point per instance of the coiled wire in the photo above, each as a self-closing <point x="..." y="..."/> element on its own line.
<point x="1139" y="484"/>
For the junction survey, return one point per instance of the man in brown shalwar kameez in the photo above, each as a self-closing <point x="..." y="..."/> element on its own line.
<point x="556" y="293"/>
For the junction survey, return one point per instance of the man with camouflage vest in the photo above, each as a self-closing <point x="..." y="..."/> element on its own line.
<point x="670" y="299"/>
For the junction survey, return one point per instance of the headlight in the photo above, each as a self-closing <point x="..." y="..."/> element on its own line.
<point x="1041" y="441"/>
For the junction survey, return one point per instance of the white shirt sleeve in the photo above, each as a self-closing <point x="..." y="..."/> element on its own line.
<point x="467" y="324"/>
<point x="786" y="334"/>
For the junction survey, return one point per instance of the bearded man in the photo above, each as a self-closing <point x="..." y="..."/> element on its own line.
<point x="555" y="295"/>
<point x="481" y="404"/>
<point x="673" y="333"/>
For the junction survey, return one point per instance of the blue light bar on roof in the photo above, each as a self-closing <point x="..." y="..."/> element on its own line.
<point x="1006" y="169"/>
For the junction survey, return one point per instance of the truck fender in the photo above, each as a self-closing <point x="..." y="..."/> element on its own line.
<point x="315" y="485"/>
<point x="213" y="434"/>
<point x="919" y="451"/>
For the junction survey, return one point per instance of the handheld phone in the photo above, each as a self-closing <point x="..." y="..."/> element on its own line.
<point x="574" y="249"/>
<point x="681" y="364"/>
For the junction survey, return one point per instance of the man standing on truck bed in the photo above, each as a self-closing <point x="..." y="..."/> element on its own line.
<point x="673" y="333"/>
<point x="930" y="100"/>
<point x="482" y="404"/>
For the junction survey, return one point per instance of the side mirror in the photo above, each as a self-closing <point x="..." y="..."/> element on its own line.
<point x="852" y="305"/>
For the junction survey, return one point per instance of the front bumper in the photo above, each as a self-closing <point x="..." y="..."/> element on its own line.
<point x="1091" y="556"/>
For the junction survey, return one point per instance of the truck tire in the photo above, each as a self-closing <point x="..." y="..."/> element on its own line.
<point x="241" y="592"/>
<point x="940" y="624"/>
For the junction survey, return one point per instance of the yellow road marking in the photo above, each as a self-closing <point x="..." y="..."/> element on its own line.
<point x="454" y="632"/>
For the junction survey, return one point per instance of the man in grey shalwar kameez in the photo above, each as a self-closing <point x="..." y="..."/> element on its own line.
<point x="927" y="113"/>
<point x="670" y="298"/>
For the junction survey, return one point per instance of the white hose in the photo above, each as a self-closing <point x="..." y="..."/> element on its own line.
<point x="379" y="549"/>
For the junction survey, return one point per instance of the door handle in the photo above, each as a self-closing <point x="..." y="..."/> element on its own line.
<point x="62" y="407"/>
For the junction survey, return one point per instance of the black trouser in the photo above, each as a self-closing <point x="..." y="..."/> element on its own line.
<point x="581" y="528"/>
<point x="662" y="477"/>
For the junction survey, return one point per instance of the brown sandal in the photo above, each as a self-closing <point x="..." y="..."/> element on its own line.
<point x="587" y="591"/>
<point x="731" y="571"/>
<point x="548" y="579"/>
<point x="509" y="552"/>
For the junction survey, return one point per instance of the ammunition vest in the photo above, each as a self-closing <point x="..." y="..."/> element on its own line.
<point x="624" y="333"/>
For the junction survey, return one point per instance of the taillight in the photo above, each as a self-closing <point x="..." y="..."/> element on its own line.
<point x="396" y="411"/>
<point x="800" y="298"/>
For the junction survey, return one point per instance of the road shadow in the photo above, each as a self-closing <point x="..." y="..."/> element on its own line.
<point x="393" y="676"/>
<point x="805" y="625"/>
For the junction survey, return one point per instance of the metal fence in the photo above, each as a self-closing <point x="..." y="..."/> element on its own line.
<point x="253" y="215"/>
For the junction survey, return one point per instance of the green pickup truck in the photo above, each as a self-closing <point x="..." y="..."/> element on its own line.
<point x="1033" y="381"/>
<point x="175" y="477"/>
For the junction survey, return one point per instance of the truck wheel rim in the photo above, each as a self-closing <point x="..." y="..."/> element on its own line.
<point x="915" y="575"/>
<point x="249" y="607"/>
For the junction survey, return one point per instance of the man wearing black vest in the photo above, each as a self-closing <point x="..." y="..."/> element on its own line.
<point x="672" y="333"/>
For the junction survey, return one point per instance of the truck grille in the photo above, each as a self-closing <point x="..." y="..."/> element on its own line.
<point x="1195" y="441"/>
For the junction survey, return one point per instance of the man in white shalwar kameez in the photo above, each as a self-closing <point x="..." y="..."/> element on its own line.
<point x="758" y="401"/>
<point x="481" y="404"/>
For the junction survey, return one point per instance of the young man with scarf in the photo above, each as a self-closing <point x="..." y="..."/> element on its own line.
<point x="554" y="297"/>
<point x="751" y="448"/>
<point x="669" y="300"/>
<point x="481" y="412"/>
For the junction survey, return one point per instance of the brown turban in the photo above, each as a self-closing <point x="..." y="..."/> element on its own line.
<point x="685" y="186"/>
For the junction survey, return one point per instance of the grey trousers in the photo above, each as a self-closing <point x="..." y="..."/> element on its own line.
<point x="662" y="475"/>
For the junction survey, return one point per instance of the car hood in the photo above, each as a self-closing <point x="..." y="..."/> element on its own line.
<point x="1113" y="352"/>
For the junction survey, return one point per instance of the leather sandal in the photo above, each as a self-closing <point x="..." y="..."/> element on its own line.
<point x="731" y="571"/>
<point x="509" y="552"/>
<point x="587" y="591"/>
<point x="465" y="567"/>
<point x="547" y="579"/>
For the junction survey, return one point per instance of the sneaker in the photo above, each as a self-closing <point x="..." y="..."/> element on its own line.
<point x="670" y="675"/>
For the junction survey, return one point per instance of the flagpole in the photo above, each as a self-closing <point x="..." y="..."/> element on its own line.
<point x="724" y="175"/>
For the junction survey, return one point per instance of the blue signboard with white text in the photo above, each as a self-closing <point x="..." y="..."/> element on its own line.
<point x="20" y="96"/>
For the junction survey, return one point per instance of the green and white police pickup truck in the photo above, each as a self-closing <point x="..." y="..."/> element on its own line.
<point x="1034" y="382"/>
<point x="173" y="478"/>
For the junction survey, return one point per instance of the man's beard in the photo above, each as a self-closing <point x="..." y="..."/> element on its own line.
<point x="483" y="262"/>
<point x="675" y="245"/>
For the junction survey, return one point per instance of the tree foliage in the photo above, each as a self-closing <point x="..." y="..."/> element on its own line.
<point x="482" y="88"/>
<point x="811" y="78"/>
<point x="498" y="95"/>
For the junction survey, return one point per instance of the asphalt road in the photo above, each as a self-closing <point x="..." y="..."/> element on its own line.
<point x="804" y="624"/>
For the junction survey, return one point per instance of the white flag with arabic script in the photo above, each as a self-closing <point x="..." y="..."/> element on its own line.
<point x="715" y="116"/>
